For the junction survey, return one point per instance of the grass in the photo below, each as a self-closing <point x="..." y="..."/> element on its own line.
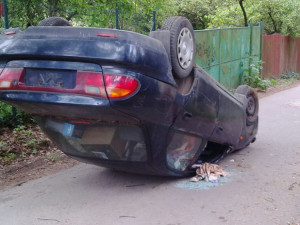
<point x="53" y="157"/>
<point x="21" y="142"/>
<point x="283" y="80"/>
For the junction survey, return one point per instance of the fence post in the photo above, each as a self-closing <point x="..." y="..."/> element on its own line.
<point x="261" y="46"/>
<point x="250" y="25"/>
<point x="153" y="28"/>
<point x="5" y="14"/>
<point x="117" y="17"/>
<point x="261" y="26"/>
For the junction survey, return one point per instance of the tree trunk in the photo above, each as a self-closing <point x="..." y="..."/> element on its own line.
<point x="273" y="21"/>
<point x="52" y="7"/>
<point x="244" y="13"/>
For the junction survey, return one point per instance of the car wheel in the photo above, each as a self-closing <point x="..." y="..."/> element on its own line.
<point x="182" y="45"/>
<point x="54" y="21"/>
<point x="251" y="103"/>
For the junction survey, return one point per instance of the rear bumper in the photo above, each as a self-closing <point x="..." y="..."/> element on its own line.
<point x="67" y="106"/>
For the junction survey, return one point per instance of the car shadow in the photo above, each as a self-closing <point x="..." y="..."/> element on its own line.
<point x="101" y="178"/>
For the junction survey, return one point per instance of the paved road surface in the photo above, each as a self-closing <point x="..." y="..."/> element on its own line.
<point x="263" y="187"/>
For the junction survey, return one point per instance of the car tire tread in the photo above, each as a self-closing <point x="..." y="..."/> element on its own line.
<point x="249" y="92"/>
<point x="54" y="21"/>
<point x="174" y="25"/>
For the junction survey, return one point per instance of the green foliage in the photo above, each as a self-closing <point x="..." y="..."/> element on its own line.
<point x="53" y="156"/>
<point x="24" y="13"/>
<point x="278" y="16"/>
<point x="291" y="25"/>
<point x="197" y="11"/>
<point x="20" y="142"/>
<point x="290" y="75"/>
<point x="5" y="115"/>
<point x="252" y="76"/>
<point x="7" y="157"/>
<point x="273" y="13"/>
<point x="8" y="119"/>
<point x="135" y="15"/>
<point x="227" y="14"/>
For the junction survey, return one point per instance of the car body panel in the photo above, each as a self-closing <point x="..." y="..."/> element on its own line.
<point x="128" y="49"/>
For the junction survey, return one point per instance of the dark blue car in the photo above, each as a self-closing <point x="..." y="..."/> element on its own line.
<point x="124" y="100"/>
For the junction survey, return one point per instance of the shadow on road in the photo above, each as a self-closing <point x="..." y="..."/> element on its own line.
<point x="100" y="178"/>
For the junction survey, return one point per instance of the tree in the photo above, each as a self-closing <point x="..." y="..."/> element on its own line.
<point x="198" y="11"/>
<point x="23" y="13"/>
<point x="228" y="13"/>
<point x="290" y="24"/>
<point x="241" y="3"/>
<point x="134" y="15"/>
<point x="271" y="12"/>
<point x="278" y="16"/>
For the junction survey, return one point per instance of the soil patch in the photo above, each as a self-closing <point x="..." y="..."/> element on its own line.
<point x="37" y="167"/>
<point x="27" y="154"/>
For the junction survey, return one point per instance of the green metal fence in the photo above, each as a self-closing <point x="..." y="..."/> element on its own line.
<point x="226" y="54"/>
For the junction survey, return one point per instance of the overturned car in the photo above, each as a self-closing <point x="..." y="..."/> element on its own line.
<point x="123" y="100"/>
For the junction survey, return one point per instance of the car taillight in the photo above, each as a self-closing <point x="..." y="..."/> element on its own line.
<point x="120" y="86"/>
<point x="11" y="77"/>
<point x="114" y="86"/>
<point x="91" y="83"/>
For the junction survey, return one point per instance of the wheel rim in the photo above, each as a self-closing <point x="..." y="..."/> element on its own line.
<point x="251" y="107"/>
<point x="185" y="48"/>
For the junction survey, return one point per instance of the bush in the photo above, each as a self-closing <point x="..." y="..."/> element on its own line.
<point x="252" y="76"/>
<point x="290" y="75"/>
<point x="11" y="118"/>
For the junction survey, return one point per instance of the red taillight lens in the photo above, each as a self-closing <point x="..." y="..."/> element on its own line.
<point x="11" y="77"/>
<point x="91" y="83"/>
<point x="114" y="86"/>
<point x="120" y="86"/>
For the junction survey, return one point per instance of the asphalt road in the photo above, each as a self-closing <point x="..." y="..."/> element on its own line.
<point x="263" y="187"/>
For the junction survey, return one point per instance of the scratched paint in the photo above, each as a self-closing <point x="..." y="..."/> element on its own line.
<point x="201" y="185"/>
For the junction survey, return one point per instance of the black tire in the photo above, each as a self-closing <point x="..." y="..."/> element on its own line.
<point x="54" y="21"/>
<point x="182" y="45"/>
<point x="252" y="104"/>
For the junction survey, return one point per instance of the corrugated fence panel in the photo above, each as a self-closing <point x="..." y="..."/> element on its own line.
<point x="208" y="51"/>
<point x="214" y="71"/>
<point x="225" y="53"/>
<point x="256" y="33"/>
<point x="207" y="46"/>
<point x="281" y="54"/>
<point x="245" y="40"/>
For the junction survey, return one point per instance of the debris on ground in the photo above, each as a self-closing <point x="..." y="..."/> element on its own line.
<point x="209" y="172"/>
